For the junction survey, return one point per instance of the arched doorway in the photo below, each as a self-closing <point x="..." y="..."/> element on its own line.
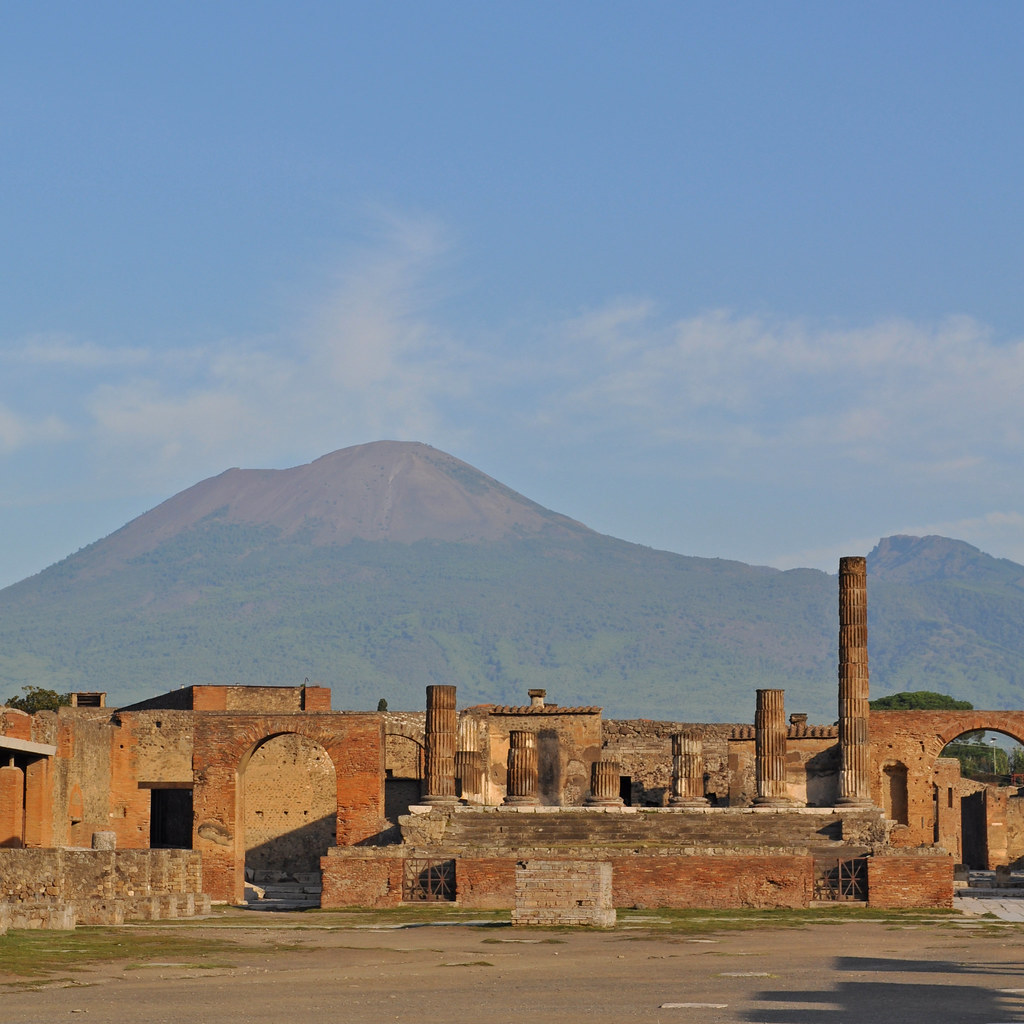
<point x="289" y="816"/>
<point x="403" y="777"/>
<point x="991" y="811"/>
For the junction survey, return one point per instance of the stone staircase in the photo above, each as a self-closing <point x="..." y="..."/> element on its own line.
<point x="467" y="829"/>
<point x="276" y="890"/>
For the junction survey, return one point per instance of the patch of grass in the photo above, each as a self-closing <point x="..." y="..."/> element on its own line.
<point x="472" y="963"/>
<point x="46" y="953"/>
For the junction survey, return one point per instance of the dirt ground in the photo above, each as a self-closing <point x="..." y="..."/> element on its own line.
<point x="320" y="967"/>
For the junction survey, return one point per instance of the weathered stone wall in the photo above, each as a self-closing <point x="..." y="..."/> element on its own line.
<point x="566" y="893"/>
<point x="644" y="750"/>
<point x="1015" y="830"/>
<point x="404" y="738"/>
<point x="100" y="886"/>
<point x="568" y="743"/>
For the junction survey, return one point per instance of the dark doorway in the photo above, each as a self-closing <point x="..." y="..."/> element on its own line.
<point x="974" y="831"/>
<point x="170" y="819"/>
<point x="626" y="789"/>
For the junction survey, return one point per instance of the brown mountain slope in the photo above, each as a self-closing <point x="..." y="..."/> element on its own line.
<point x="388" y="490"/>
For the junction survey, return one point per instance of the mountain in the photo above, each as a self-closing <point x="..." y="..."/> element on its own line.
<point x="379" y="569"/>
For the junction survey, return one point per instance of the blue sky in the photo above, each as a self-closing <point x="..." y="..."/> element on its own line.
<point x="739" y="280"/>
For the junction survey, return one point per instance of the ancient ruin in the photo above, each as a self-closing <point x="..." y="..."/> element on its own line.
<point x="248" y="793"/>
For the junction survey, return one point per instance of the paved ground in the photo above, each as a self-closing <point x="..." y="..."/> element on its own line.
<point x="967" y="970"/>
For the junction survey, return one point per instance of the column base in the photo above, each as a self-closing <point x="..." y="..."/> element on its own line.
<point x="521" y="801"/>
<point x="854" y="801"/>
<point x="438" y="801"/>
<point x="603" y="801"/>
<point x="689" y="802"/>
<point x="773" y="801"/>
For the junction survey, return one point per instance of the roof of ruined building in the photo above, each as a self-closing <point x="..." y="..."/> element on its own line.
<point x="793" y="732"/>
<point x="542" y="709"/>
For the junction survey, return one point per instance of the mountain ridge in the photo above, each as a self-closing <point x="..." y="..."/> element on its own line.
<point x="379" y="569"/>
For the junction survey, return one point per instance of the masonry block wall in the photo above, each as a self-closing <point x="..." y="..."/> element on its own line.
<point x="566" y="893"/>
<point x="99" y="886"/>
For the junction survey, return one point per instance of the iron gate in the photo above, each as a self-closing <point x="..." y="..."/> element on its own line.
<point x="841" y="878"/>
<point x="428" y="881"/>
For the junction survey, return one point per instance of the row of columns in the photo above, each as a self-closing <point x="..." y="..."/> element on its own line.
<point x="443" y="759"/>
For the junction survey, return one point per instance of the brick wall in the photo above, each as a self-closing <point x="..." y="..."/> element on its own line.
<point x="713" y="881"/>
<point x="361" y="878"/>
<point x="910" y="880"/>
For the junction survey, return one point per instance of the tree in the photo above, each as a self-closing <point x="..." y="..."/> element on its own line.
<point x="920" y="700"/>
<point x="382" y="705"/>
<point x="37" y="698"/>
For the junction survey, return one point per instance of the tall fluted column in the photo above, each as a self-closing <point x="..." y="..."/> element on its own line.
<point x="687" y="771"/>
<point x="604" y="784"/>
<point x="469" y="762"/>
<point x="854" y="748"/>
<point x="439" y="746"/>
<point x="522" y="768"/>
<point x="770" y="748"/>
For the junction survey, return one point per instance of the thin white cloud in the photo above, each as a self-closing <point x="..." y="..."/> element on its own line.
<point x="717" y="396"/>
<point x="928" y="397"/>
<point x="55" y="351"/>
<point x="18" y="431"/>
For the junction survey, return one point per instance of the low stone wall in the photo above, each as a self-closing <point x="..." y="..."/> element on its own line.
<point x="57" y="888"/>
<point x="562" y="892"/>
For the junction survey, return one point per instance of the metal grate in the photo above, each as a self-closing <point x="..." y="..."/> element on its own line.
<point x="841" y="879"/>
<point x="429" y="881"/>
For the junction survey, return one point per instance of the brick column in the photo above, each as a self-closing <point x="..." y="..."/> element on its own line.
<point x="38" y="803"/>
<point x="439" y="746"/>
<point x="770" y="749"/>
<point x="12" y="805"/>
<point x="604" y="784"/>
<point x="521" y="789"/>
<point x="469" y="762"/>
<point x="854" y="748"/>
<point x="687" y="771"/>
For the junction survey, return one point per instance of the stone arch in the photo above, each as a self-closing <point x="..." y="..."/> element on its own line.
<point x="288" y="807"/>
<point x="916" y="739"/>
<point x="403" y="770"/>
<point x="222" y="751"/>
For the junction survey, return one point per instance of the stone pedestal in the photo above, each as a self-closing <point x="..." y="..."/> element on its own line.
<point x="770" y="749"/>
<point x="687" y="771"/>
<point x="104" y="840"/>
<point x="854" y="748"/>
<point x="439" y="746"/>
<point x="521" y="788"/>
<point x="604" y="784"/>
